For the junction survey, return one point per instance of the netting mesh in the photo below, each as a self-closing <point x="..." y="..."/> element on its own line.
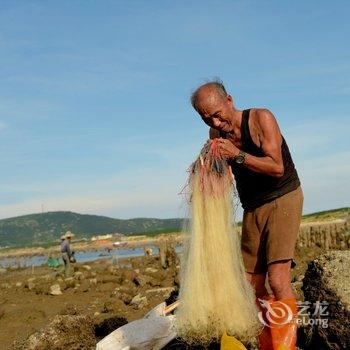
<point x="214" y="294"/>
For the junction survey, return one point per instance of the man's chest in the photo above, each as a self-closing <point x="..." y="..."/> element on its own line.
<point x="239" y="139"/>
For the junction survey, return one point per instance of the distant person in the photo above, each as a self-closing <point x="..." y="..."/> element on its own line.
<point x="66" y="252"/>
<point x="148" y="251"/>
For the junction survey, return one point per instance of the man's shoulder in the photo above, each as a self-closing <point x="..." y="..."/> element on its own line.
<point x="261" y="113"/>
<point x="263" y="117"/>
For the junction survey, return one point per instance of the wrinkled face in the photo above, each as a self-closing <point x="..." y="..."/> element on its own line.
<point x="216" y="111"/>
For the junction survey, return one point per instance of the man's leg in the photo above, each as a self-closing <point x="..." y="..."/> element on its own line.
<point x="283" y="324"/>
<point x="66" y="265"/>
<point x="279" y="277"/>
<point x="281" y="240"/>
<point x="68" y="273"/>
<point x="257" y="280"/>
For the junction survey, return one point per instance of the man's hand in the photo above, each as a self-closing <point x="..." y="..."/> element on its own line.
<point x="227" y="149"/>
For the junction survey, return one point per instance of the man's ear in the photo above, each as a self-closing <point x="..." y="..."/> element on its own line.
<point x="229" y="98"/>
<point x="213" y="133"/>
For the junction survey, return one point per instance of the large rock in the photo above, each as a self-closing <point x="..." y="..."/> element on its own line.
<point x="139" y="301"/>
<point x="142" y="280"/>
<point x="327" y="283"/>
<point x="55" y="289"/>
<point x="63" y="332"/>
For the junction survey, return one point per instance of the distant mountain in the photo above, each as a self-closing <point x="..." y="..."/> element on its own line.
<point x="36" y="229"/>
<point x="45" y="228"/>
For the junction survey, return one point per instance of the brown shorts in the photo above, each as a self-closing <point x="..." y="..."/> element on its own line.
<point x="269" y="232"/>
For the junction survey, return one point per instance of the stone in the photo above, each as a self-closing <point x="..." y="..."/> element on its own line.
<point x="93" y="281"/>
<point x="113" y="270"/>
<point x="69" y="282"/>
<point x="327" y="283"/>
<point x="19" y="284"/>
<point x="139" y="301"/>
<point x="55" y="289"/>
<point x="85" y="286"/>
<point x="142" y="280"/>
<point x="128" y="275"/>
<point x="126" y="298"/>
<point x="151" y="270"/>
<point x="87" y="267"/>
<point x="30" y="283"/>
<point x="78" y="275"/>
<point x="48" y="278"/>
<point x="41" y="288"/>
<point x="166" y="291"/>
<point x="2" y="271"/>
<point x="300" y="278"/>
<point x="112" y="305"/>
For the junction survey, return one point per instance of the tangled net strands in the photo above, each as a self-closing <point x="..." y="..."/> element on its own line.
<point x="214" y="294"/>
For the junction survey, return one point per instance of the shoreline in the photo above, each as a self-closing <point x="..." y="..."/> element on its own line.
<point x="27" y="252"/>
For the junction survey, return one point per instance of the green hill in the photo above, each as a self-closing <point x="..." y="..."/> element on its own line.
<point x="37" y="229"/>
<point x="341" y="213"/>
<point x="42" y="229"/>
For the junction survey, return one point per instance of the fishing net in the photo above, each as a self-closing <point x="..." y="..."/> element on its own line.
<point x="214" y="294"/>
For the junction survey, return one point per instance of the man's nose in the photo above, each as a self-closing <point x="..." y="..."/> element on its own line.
<point x="216" y="121"/>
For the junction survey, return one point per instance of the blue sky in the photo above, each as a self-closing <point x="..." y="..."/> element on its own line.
<point x="94" y="97"/>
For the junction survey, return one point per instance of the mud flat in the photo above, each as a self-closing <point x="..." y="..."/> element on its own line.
<point x="40" y="309"/>
<point x="99" y="296"/>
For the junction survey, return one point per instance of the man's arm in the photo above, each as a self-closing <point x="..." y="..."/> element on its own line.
<point x="270" y="142"/>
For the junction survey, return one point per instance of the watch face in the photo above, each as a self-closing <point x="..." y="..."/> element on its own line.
<point x="239" y="159"/>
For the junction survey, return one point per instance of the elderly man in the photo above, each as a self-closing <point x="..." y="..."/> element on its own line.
<point x="270" y="193"/>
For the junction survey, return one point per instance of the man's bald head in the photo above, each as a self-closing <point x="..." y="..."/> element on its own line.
<point x="214" y="105"/>
<point x="209" y="92"/>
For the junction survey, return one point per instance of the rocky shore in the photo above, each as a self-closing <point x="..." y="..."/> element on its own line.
<point x="41" y="309"/>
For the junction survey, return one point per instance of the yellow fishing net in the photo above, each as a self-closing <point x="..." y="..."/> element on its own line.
<point x="214" y="294"/>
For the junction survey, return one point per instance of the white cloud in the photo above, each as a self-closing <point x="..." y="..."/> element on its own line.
<point x="152" y="191"/>
<point x="321" y="152"/>
<point x="146" y="203"/>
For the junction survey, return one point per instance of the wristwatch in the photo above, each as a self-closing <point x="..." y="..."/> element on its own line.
<point x="240" y="158"/>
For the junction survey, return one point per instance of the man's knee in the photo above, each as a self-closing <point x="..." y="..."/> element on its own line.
<point x="279" y="276"/>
